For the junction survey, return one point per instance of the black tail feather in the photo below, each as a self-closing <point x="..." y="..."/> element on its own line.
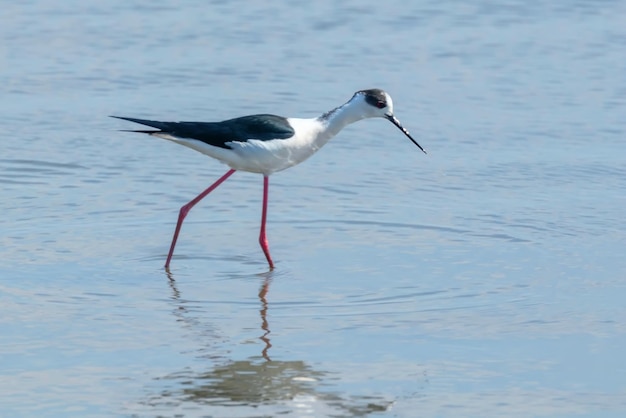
<point x="140" y="131"/>
<point x="161" y="126"/>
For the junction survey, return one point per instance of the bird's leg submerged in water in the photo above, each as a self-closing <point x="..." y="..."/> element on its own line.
<point x="262" y="237"/>
<point x="185" y="210"/>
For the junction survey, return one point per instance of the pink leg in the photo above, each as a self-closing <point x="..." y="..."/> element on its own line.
<point x="185" y="209"/>
<point x="262" y="237"/>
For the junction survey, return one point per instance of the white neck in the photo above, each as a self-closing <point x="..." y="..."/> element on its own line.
<point x="338" y="118"/>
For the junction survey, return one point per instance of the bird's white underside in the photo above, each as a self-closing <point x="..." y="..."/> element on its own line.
<point x="264" y="157"/>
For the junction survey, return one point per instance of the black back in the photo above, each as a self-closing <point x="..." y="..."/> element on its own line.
<point x="218" y="134"/>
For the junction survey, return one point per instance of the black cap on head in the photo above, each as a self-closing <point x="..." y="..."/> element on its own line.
<point x="375" y="97"/>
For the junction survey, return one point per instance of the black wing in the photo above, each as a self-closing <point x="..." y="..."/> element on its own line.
<point x="218" y="134"/>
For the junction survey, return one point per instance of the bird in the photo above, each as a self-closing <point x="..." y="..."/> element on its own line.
<point x="266" y="144"/>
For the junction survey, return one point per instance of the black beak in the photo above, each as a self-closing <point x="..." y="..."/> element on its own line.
<point x="396" y="122"/>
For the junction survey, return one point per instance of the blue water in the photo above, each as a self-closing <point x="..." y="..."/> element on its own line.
<point x="486" y="278"/>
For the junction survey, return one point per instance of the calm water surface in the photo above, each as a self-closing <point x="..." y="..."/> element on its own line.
<point x="486" y="278"/>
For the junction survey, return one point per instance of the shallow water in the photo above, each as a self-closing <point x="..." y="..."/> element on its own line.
<point x="483" y="279"/>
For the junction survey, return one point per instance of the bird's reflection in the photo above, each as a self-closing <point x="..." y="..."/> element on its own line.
<point x="258" y="381"/>
<point x="253" y="382"/>
<point x="263" y="291"/>
<point x="172" y="283"/>
<point x="265" y="287"/>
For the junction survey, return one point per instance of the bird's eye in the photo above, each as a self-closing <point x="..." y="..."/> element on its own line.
<point x="380" y="104"/>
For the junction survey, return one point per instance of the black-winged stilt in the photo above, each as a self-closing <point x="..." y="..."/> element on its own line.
<point x="266" y="144"/>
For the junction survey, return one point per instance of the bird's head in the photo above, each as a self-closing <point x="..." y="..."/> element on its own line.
<point x="376" y="103"/>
